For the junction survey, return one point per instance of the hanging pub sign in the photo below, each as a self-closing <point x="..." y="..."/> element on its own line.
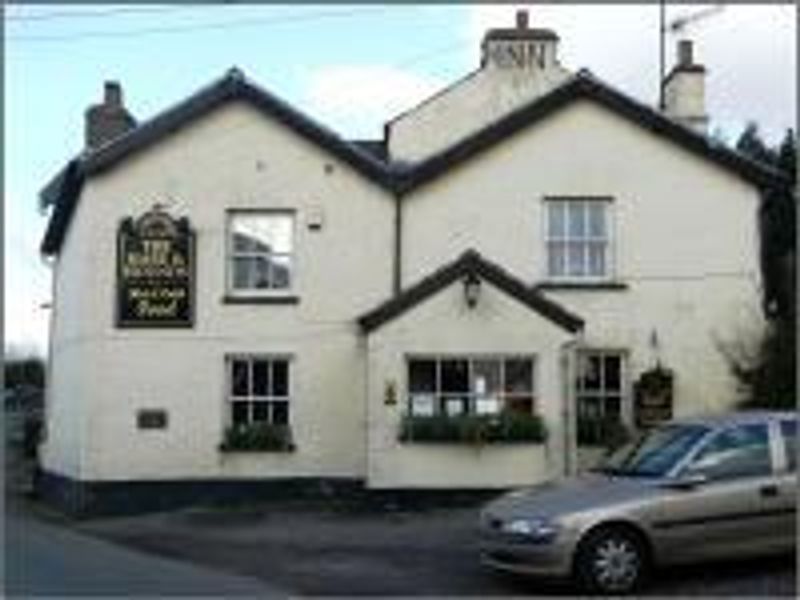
<point x="653" y="397"/>
<point x="155" y="271"/>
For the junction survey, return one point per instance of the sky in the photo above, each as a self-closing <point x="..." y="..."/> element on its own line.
<point x="350" y="67"/>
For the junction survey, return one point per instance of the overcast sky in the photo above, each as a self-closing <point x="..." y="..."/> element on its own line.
<point x="352" y="67"/>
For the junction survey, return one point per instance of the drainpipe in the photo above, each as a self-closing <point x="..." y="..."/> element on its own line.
<point x="398" y="244"/>
<point x="568" y="353"/>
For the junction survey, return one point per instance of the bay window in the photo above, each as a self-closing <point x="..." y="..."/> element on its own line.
<point x="454" y="386"/>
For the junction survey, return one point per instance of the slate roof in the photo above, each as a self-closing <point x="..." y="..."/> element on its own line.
<point x="369" y="157"/>
<point x="471" y="262"/>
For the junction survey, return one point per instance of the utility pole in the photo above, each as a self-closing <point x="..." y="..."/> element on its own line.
<point x="662" y="60"/>
<point x="675" y="26"/>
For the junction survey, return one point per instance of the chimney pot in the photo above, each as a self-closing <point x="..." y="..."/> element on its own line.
<point x="685" y="58"/>
<point x="109" y="119"/>
<point x="113" y="94"/>
<point x="522" y="19"/>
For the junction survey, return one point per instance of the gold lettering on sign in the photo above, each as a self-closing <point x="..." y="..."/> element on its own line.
<point x="155" y="271"/>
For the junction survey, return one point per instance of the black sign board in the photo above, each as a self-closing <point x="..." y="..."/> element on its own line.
<point x="653" y="392"/>
<point x="155" y="271"/>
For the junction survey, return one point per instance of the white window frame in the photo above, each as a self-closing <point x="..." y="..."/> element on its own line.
<point x="609" y="255"/>
<point x="471" y="395"/>
<point x="251" y="399"/>
<point x="625" y="407"/>
<point x="230" y="254"/>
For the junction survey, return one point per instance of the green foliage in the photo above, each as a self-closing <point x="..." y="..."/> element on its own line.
<point x="507" y="427"/>
<point x="258" y="437"/>
<point x="608" y="432"/>
<point x="24" y="372"/>
<point x="777" y="218"/>
<point x="768" y="377"/>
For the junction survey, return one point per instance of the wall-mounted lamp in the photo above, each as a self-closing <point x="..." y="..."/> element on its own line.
<point x="472" y="289"/>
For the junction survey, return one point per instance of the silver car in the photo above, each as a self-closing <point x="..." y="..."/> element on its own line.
<point x="689" y="490"/>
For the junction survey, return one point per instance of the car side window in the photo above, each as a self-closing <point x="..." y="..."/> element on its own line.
<point x="789" y="433"/>
<point x="741" y="451"/>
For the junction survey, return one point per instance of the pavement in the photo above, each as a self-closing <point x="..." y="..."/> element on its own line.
<point x="47" y="559"/>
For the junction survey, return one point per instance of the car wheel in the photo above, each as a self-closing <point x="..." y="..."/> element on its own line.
<point x="611" y="560"/>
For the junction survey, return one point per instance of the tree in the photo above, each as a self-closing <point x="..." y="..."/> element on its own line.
<point x="28" y="371"/>
<point x="769" y="375"/>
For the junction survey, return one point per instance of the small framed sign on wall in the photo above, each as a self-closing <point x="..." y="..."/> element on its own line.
<point x="155" y="271"/>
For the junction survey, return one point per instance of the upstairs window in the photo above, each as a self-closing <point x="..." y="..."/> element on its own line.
<point x="260" y="252"/>
<point x="577" y="238"/>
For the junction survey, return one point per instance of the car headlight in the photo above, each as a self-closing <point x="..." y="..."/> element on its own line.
<point x="540" y="530"/>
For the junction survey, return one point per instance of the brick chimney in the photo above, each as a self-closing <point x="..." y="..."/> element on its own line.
<point x="108" y="120"/>
<point x="519" y="48"/>
<point x="684" y="90"/>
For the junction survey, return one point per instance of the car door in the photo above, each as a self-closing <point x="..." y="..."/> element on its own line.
<point x="732" y="513"/>
<point x="787" y="486"/>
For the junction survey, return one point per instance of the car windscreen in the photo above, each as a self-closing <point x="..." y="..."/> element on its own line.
<point x="655" y="453"/>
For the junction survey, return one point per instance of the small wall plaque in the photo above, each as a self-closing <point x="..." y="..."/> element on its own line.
<point x="151" y="418"/>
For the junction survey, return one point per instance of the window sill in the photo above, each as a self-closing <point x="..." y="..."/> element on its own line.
<point x="282" y="450"/>
<point x="256" y="299"/>
<point x="583" y="285"/>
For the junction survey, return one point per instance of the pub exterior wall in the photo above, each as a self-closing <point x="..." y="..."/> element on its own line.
<point x="685" y="240"/>
<point x="233" y="158"/>
<point x="444" y="325"/>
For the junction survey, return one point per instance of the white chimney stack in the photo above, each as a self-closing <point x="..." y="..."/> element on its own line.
<point x="520" y="48"/>
<point x="684" y="90"/>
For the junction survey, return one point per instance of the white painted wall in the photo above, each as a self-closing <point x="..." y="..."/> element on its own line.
<point x="103" y="375"/>
<point x="466" y="107"/>
<point x="686" y="239"/>
<point x="443" y="324"/>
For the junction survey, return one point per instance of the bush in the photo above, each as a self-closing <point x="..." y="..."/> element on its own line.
<point x="258" y="437"/>
<point x="506" y="427"/>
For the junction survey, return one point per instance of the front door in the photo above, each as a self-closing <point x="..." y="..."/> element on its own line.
<point x="602" y="405"/>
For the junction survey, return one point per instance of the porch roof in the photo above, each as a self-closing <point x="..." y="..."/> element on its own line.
<point x="470" y="262"/>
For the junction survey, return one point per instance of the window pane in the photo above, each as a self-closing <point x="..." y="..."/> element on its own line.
<point x="556" y="258"/>
<point x="519" y="375"/>
<point x="454" y="407"/>
<point x="520" y="404"/>
<point x="575" y="216"/>
<point x="589" y="378"/>
<point x="789" y="431"/>
<point x="597" y="219"/>
<point x="260" y="378"/>
<point x="280" y="413"/>
<point x="252" y="272"/>
<point x="280" y="378"/>
<point x="597" y="259"/>
<point x="486" y="377"/>
<point x="421" y="376"/>
<point x="612" y="407"/>
<point x="612" y="367"/>
<point x="575" y="258"/>
<point x="589" y="408"/>
<point x="737" y="452"/>
<point x="455" y="376"/>
<point x="240" y="415"/>
<point x="423" y="405"/>
<point x="262" y="233"/>
<point x="240" y="378"/>
<point x="281" y="272"/>
<point x="556" y="219"/>
<point x="487" y="405"/>
<point x="261" y="412"/>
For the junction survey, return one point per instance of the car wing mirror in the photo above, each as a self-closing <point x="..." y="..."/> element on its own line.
<point x="688" y="481"/>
